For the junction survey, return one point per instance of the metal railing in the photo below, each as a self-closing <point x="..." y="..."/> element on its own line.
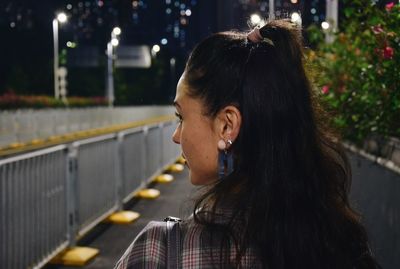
<point x="375" y="193"/>
<point x="23" y="126"/>
<point x="51" y="197"/>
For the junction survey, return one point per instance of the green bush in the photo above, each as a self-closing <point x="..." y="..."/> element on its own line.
<point x="359" y="74"/>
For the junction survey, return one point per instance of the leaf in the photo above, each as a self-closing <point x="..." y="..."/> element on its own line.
<point x="348" y="12"/>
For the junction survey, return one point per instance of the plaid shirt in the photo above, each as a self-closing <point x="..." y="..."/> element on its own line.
<point x="149" y="251"/>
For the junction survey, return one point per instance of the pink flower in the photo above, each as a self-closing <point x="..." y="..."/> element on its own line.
<point x="388" y="52"/>
<point x="389" y="6"/>
<point x="377" y="29"/>
<point x="325" y="89"/>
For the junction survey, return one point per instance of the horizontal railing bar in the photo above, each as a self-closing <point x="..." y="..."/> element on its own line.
<point x="94" y="139"/>
<point x="99" y="219"/>
<point x="390" y="165"/>
<point x="51" y="256"/>
<point x="79" y="135"/>
<point x="30" y="155"/>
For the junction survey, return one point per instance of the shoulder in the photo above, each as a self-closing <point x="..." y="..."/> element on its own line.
<point x="148" y="250"/>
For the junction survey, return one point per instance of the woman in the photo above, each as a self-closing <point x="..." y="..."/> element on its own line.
<point x="276" y="178"/>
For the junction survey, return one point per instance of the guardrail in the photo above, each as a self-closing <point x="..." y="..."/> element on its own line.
<point x="51" y="197"/>
<point x="24" y="126"/>
<point x="375" y="193"/>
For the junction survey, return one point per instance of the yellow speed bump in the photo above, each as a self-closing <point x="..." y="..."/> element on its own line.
<point x="148" y="194"/>
<point x="164" y="178"/>
<point x="68" y="136"/>
<point x="181" y="160"/>
<point x="175" y="168"/>
<point x="76" y="256"/>
<point x="54" y="138"/>
<point x="37" y="141"/>
<point x="123" y="217"/>
<point x="16" y="145"/>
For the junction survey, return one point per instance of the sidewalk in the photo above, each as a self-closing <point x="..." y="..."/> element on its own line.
<point x="112" y="239"/>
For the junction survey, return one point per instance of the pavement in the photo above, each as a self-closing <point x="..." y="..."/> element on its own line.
<point x="112" y="240"/>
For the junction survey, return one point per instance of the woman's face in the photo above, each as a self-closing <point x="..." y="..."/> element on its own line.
<point x="196" y="136"/>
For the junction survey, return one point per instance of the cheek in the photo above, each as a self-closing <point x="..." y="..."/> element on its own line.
<point x="201" y="155"/>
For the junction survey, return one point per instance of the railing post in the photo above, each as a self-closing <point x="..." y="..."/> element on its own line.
<point x="145" y="165"/>
<point x="120" y="169"/>
<point x="72" y="194"/>
<point x="161" y="159"/>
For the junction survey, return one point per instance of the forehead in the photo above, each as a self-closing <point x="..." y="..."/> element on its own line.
<point x="184" y="101"/>
<point x="181" y="88"/>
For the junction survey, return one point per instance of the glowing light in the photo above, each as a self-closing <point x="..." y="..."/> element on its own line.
<point x="71" y="44"/>
<point x="61" y="17"/>
<point x="114" y="42"/>
<point x="188" y="12"/>
<point x="313" y="11"/>
<point x="69" y="6"/>
<point x="156" y="48"/>
<point x="168" y="11"/>
<point x="255" y="19"/>
<point x="117" y="31"/>
<point x="325" y="25"/>
<point x="164" y="41"/>
<point x="295" y="17"/>
<point x="12" y="24"/>
<point x="293" y="1"/>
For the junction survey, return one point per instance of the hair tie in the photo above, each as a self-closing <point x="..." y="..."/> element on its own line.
<point x="256" y="37"/>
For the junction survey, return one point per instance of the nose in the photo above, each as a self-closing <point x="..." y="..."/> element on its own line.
<point x="176" y="135"/>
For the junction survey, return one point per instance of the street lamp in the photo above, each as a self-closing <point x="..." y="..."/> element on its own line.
<point x="62" y="18"/>
<point x="114" y="42"/>
<point x="325" y="25"/>
<point x="296" y="18"/>
<point x="255" y="19"/>
<point x="154" y="50"/>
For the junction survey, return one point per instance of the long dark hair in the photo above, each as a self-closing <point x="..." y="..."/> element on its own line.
<point x="288" y="194"/>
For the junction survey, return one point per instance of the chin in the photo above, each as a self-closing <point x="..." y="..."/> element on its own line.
<point x="195" y="180"/>
<point x="199" y="180"/>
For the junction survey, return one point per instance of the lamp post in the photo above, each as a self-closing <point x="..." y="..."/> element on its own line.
<point x="62" y="18"/>
<point x="114" y="42"/>
<point x="331" y="19"/>
<point x="271" y="10"/>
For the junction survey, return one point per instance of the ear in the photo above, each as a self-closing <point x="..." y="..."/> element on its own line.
<point x="228" y="122"/>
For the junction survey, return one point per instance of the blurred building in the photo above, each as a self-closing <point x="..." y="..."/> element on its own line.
<point x="235" y="14"/>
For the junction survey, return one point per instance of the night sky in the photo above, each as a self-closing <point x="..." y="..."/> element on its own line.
<point x="27" y="44"/>
<point x="26" y="65"/>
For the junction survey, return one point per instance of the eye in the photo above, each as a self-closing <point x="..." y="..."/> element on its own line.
<point x="179" y="117"/>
